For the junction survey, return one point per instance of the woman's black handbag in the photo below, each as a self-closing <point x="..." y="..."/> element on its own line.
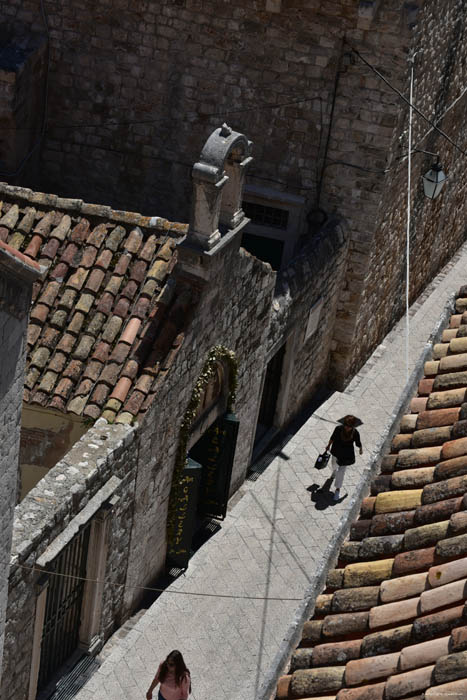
<point x="322" y="460"/>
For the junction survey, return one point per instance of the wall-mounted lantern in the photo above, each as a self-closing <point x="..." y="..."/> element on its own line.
<point x="433" y="181"/>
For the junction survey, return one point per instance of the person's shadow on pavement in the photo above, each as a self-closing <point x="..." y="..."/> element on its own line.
<point x="322" y="497"/>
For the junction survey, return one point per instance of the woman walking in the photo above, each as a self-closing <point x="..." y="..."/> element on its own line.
<point x="341" y="444"/>
<point x="174" y="679"/>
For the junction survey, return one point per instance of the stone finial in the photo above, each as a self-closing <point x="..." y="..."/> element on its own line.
<point x="218" y="178"/>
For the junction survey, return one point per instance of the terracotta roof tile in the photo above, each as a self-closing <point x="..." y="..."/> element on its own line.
<point x="96" y="323"/>
<point x="134" y="403"/>
<point x="122" y="388"/>
<point x="403" y="587"/>
<point x="75" y="325"/>
<point x="11" y="217"/>
<point x="39" y="313"/>
<point x="458" y="640"/>
<point x="397" y="612"/>
<point x="50" y="250"/>
<point x="445" y="573"/>
<point x="49" y="338"/>
<point x="67" y="299"/>
<point x="409" y="553"/>
<point x="413" y="562"/>
<point x="77" y="280"/>
<point x="97" y="235"/>
<point x="80" y="232"/>
<point x="93" y="283"/>
<point x="364" y="670"/>
<point x="134" y="241"/>
<point x="34" y="332"/>
<point x="456" y="689"/>
<point x="44" y="225"/>
<point x="90" y="296"/>
<point x="110" y="373"/>
<point x="84" y="347"/>
<point x="93" y="369"/>
<point x="417" y="655"/>
<point x="101" y="352"/>
<point x="447" y="594"/>
<point x="316" y="681"/>
<point x="440" y="510"/>
<point x="58" y="362"/>
<point x="89" y="256"/>
<point x="410" y="682"/>
<point x="337" y="653"/>
<point x="112" y="329"/>
<point x="113" y="240"/>
<point x="442" y="490"/>
<point x="69" y="254"/>
<point x="104" y="259"/>
<point x="122" y="266"/>
<point x="66" y="344"/>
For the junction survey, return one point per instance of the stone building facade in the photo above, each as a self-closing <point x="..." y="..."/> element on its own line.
<point x="159" y="332"/>
<point x="17" y="274"/>
<point x="128" y="106"/>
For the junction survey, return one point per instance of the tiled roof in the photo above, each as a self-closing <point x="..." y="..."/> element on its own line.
<point x="106" y="320"/>
<point x="392" y="622"/>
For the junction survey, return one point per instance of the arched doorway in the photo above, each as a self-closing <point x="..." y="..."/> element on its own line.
<point x="205" y="456"/>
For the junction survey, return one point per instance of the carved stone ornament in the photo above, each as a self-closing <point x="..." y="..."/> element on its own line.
<point x="218" y="178"/>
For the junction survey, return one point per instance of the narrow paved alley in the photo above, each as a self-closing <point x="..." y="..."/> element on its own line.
<point x="236" y="610"/>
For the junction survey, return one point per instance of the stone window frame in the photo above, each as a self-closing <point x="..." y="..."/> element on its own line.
<point x="98" y="511"/>
<point x="293" y="204"/>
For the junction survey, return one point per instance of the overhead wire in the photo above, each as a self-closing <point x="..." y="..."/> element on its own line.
<point x="153" y="589"/>
<point x="406" y="100"/>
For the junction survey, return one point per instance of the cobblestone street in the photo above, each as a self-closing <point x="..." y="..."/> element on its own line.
<point x="236" y="610"/>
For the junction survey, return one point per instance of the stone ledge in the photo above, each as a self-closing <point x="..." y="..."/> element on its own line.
<point x="83" y="517"/>
<point x="59" y="495"/>
<point x="78" y="207"/>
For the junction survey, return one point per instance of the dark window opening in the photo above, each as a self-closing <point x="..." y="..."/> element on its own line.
<point x="266" y="216"/>
<point x="266" y="249"/>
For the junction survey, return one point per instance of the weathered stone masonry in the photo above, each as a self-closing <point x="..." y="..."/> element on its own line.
<point x="60" y="499"/>
<point x="175" y="66"/>
<point x="17" y="274"/>
<point x="233" y="313"/>
<point x="438" y="227"/>
<point x="310" y="284"/>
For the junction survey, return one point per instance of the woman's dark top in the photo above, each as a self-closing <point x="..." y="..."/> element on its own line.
<point x="342" y="448"/>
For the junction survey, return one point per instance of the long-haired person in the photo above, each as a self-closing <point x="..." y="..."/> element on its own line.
<point x="174" y="679"/>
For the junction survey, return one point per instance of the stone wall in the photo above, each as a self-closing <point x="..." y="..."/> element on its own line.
<point x="306" y="298"/>
<point x="177" y="67"/>
<point x="438" y="227"/>
<point x="15" y="295"/>
<point x="233" y="311"/>
<point x="40" y="520"/>
<point x="23" y="68"/>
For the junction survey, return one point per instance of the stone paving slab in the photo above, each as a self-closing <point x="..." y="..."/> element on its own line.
<point x="275" y="546"/>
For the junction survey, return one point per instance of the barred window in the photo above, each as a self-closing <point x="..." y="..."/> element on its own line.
<point x="266" y="216"/>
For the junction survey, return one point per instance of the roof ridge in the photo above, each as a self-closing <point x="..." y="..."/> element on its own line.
<point x="79" y="207"/>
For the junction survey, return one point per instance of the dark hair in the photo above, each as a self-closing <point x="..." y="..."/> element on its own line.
<point x="175" y="657"/>
<point x="349" y="421"/>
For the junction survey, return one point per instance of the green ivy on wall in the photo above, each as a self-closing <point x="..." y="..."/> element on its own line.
<point x="217" y="354"/>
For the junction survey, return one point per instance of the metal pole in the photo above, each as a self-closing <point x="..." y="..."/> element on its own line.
<point x="407" y="270"/>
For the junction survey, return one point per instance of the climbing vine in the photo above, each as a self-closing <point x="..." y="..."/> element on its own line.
<point x="217" y="354"/>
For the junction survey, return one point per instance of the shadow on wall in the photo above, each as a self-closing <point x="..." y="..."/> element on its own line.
<point x="46" y="436"/>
